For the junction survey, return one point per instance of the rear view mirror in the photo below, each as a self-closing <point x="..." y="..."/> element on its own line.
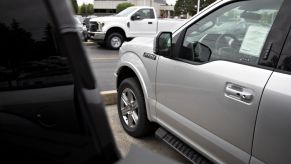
<point x="163" y="44"/>
<point x="201" y="52"/>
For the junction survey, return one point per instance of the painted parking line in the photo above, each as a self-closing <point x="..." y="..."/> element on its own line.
<point x="89" y="43"/>
<point x="113" y="58"/>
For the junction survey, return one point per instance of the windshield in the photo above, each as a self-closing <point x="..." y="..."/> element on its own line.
<point x="125" y="12"/>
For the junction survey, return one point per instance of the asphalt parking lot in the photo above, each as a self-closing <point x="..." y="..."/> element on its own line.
<point x="103" y="62"/>
<point x="124" y="141"/>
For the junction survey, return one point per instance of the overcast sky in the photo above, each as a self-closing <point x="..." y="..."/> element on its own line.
<point x="91" y="1"/>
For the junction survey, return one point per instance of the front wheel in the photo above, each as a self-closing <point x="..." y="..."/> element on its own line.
<point x="114" y="41"/>
<point x="132" y="110"/>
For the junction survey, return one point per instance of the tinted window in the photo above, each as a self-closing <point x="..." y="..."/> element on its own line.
<point x="235" y="32"/>
<point x="30" y="55"/>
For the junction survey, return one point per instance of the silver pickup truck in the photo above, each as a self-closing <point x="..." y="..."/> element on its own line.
<point x="218" y="87"/>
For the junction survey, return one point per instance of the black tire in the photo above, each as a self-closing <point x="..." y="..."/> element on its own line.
<point x="85" y="39"/>
<point x="85" y="36"/>
<point x="114" y="38"/>
<point x="143" y="126"/>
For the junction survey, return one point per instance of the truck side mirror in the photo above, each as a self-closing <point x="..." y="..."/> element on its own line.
<point x="135" y="17"/>
<point x="163" y="44"/>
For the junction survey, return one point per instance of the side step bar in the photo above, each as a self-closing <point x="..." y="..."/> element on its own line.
<point x="192" y="155"/>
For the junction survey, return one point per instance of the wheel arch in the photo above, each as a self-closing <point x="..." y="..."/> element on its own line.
<point x="128" y="70"/>
<point x="115" y="29"/>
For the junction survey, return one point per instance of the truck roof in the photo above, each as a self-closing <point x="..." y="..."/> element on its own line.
<point x="141" y="7"/>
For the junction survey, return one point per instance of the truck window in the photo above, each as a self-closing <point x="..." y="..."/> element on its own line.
<point x="126" y="12"/>
<point x="146" y="13"/>
<point x="31" y="57"/>
<point x="235" y="32"/>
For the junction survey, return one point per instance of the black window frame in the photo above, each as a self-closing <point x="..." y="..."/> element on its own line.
<point x="285" y="55"/>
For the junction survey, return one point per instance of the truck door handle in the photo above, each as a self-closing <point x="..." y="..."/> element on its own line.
<point x="150" y="22"/>
<point x="238" y="92"/>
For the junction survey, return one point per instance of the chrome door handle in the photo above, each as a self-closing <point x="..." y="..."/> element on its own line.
<point x="238" y="92"/>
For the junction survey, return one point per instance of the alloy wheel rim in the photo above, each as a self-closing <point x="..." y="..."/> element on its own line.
<point x="116" y="42"/>
<point x="129" y="108"/>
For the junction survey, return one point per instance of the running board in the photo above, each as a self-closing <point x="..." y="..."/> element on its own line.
<point x="192" y="155"/>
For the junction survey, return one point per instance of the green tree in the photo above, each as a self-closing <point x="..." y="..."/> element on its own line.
<point x="75" y="6"/>
<point x="83" y="9"/>
<point x="90" y="9"/>
<point x="205" y="3"/>
<point x="180" y="7"/>
<point x="86" y="9"/>
<point x="123" y="6"/>
<point x="184" y="7"/>
<point x="190" y="6"/>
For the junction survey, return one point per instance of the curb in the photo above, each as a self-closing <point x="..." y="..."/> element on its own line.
<point x="109" y="97"/>
<point x="89" y="43"/>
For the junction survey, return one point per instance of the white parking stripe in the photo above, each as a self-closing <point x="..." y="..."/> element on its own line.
<point x="104" y="58"/>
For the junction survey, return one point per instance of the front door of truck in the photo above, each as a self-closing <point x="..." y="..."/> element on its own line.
<point x="143" y="23"/>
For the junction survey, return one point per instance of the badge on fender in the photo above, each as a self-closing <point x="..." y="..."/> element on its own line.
<point x="150" y="56"/>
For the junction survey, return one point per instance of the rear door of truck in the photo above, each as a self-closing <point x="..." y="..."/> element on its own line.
<point x="272" y="132"/>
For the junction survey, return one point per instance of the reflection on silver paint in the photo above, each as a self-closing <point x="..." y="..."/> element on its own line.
<point x="197" y="93"/>
<point x="144" y="68"/>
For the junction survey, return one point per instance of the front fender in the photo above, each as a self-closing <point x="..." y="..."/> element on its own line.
<point x="116" y="25"/>
<point x="133" y="61"/>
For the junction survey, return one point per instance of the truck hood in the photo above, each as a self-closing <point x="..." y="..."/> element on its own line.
<point x="139" y="45"/>
<point x="146" y="41"/>
<point x="108" y="19"/>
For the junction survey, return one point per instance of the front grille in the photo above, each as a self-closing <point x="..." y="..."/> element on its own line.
<point x="93" y="26"/>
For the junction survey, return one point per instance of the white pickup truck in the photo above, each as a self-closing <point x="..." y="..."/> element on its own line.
<point x="132" y="22"/>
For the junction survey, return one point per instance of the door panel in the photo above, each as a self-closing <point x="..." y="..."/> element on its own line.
<point x="146" y="26"/>
<point x="44" y="107"/>
<point x="198" y="95"/>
